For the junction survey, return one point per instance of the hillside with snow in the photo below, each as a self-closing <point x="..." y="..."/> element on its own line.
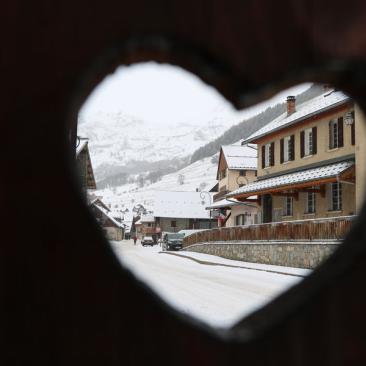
<point x="200" y="175"/>
<point x="121" y="143"/>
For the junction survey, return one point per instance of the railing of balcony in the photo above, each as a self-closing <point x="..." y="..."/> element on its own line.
<point x="316" y="229"/>
<point x="220" y="195"/>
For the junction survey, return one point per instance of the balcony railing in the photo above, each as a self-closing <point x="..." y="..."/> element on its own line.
<point x="218" y="196"/>
<point x="334" y="228"/>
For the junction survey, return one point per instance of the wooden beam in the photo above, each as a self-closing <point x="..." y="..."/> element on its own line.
<point x="287" y="194"/>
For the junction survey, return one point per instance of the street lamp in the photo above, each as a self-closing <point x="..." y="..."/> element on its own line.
<point x="202" y="195"/>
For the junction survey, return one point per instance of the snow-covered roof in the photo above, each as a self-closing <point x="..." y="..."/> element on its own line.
<point x="182" y="204"/>
<point x="81" y="146"/>
<point x="105" y="212"/>
<point x="240" y="156"/>
<point x="321" y="103"/>
<point x="222" y="203"/>
<point x="147" y="218"/>
<point x="303" y="176"/>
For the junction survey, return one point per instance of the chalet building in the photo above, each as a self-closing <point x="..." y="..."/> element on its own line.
<point x="84" y="166"/>
<point x="175" y="211"/>
<point x="113" y="229"/>
<point x="306" y="162"/>
<point x="237" y="167"/>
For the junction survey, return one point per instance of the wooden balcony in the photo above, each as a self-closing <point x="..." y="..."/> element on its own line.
<point x="220" y="195"/>
<point x="334" y="228"/>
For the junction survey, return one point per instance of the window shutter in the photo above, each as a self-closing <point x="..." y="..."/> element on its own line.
<point x="353" y="137"/>
<point x="302" y="144"/>
<point x="330" y="134"/>
<point x="263" y="156"/>
<point x="272" y="154"/>
<point x="315" y="140"/>
<point x="292" y="151"/>
<point x="282" y="151"/>
<point x="340" y="132"/>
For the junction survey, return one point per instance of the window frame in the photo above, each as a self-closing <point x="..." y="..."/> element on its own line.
<point x="288" y="207"/>
<point x="336" y="196"/>
<point x="287" y="149"/>
<point x="308" y="142"/>
<point x="310" y="208"/>
<point x="334" y="134"/>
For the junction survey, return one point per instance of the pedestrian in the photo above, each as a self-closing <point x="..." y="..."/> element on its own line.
<point x="134" y="240"/>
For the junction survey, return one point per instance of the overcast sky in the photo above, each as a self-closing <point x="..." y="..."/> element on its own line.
<point x="164" y="94"/>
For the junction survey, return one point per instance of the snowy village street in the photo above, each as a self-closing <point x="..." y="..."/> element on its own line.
<point x="215" y="294"/>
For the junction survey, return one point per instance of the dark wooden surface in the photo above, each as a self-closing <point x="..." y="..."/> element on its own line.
<point x="64" y="297"/>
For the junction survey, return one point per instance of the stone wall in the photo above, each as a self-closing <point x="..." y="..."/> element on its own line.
<point x="300" y="254"/>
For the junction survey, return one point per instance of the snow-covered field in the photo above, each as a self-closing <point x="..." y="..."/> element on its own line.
<point x="217" y="295"/>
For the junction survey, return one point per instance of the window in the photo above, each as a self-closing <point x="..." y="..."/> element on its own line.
<point x="268" y="155"/>
<point x="288" y="206"/>
<point x="242" y="173"/>
<point x="287" y="148"/>
<point x="336" y="133"/>
<point x="173" y="224"/>
<point x="310" y="202"/>
<point x="336" y="197"/>
<point x="240" y="219"/>
<point x="308" y="142"/>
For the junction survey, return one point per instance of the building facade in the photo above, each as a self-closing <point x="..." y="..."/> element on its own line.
<point x="306" y="161"/>
<point x="237" y="167"/>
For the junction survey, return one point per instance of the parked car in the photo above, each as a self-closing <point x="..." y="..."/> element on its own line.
<point x="147" y="240"/>
<point x="173" y="241"/>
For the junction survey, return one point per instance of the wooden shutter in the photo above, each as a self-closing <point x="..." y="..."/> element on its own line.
<point x="292" y="150"/>
<point x="282" y="152"/>
<point x="315" y="140"/>
<point x="272" y="154"/>
<point x="340" y="131"/>
<point x="330" y="134"/>
<point x="302" y="144"/>
<point x="353" y="137"/>
<point x="263" y="156"/>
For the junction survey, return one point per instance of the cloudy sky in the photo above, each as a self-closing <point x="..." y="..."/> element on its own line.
<point x="164" y="95"/>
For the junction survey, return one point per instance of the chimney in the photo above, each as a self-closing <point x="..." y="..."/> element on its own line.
<point x="291" y="104"/>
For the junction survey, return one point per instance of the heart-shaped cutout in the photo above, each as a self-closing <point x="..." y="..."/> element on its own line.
<point x="286" y="186"/>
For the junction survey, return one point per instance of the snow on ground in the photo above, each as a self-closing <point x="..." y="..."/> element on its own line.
<point x="201" y="175"/>
<point x="219" y="296"/>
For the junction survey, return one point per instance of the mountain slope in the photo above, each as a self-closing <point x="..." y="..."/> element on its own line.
<point x="200" y="175"/>
<point x="119" y="142"/>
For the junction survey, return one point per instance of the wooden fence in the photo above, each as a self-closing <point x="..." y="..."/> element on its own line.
<point x="327" y="228"/>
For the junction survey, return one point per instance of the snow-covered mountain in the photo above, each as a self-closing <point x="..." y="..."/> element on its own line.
<point x="117" y="140"/>
<point x="200" y="175"/>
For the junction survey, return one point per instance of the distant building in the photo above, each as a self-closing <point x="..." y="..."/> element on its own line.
<point x="113" y="229"/>
<point x="175" y="211"/>
<point x="84" y="166"/>
<point x="237" y="167"/>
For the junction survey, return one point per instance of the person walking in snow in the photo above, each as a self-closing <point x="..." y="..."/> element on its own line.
<point x="134" y="240"/>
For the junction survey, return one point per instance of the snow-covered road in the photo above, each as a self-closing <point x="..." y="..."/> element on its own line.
<point x="217" y="295"/>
